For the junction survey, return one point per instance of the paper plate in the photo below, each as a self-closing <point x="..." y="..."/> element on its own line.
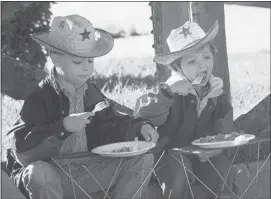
<point x="116" y="149"/>
<point x="238" y="141"/>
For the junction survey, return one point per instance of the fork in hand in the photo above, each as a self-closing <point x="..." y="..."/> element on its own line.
<point x="100" y="106"/>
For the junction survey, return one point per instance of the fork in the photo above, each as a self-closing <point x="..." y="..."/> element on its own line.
<point x="135" y="147"/>
<point x="198" y="79"/>
<point x="100" y="106"/>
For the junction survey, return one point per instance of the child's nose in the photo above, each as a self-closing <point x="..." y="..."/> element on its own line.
<point x="203" y="66"/>
<point x="85" y="65"/>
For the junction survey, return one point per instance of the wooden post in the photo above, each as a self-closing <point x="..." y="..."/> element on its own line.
<point x="165" y="17"/>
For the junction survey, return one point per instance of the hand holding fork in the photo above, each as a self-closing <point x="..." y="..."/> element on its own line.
<point x="77" y="122"/>
<point x="100" y="106"/>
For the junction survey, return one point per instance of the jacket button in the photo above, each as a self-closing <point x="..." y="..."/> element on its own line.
<point x="62" y="112"/>
<point x="192" y="101"/>
<point x="61" y="134"/>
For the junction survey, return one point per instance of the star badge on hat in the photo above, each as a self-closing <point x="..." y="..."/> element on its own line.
<point x="85" y="34"/>
<point x="75" y="35"/>
<point x="185" y="31"/>
<point x="61" y="25"/>
<point x="185" y="39"/>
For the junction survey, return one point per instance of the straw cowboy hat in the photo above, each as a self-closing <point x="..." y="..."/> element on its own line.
<point x="75" y="35"/>
<point x="186" y="39"/>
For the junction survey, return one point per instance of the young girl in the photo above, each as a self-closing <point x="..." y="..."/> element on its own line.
<point x="190" y="105"/>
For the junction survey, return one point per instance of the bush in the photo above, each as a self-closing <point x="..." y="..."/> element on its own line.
<point x="20" y="20"/>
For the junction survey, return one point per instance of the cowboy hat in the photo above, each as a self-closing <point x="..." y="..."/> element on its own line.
<point x="75" y="35"/>
<point x="184" y="40"/>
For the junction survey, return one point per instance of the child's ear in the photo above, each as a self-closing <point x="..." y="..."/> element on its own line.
<point x="173" y="66"/>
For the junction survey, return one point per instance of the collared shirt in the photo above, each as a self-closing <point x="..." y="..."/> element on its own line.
<point x="76" y="142"/>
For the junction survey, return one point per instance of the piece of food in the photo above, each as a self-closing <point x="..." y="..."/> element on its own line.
<point x="123" y="149"/>
<point x="135" y="146"/>
<point x="205" y="139"/>
<point x="232" y="136"/>
<point x="220" y="137"/>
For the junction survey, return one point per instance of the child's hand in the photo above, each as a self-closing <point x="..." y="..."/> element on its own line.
<point x="216" y="84"/>
<point x="149" y="133"/>
<point x="209" y="154"/>
<point x="75" y="123"/>
<point x="182" y="87"/>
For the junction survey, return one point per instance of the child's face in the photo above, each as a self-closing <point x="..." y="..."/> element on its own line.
<point x="196" y="63"/>
<point x="73" y="69"/>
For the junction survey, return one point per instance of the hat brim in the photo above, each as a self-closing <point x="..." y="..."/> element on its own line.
<point x="101" y="47"/>
<point x="167" y="58"/>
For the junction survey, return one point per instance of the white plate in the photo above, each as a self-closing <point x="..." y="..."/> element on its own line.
<point x="106" y="150"/>
<point x="240" y="140"/>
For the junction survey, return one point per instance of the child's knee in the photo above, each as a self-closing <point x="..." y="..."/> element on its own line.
<point x="180" y="161"/>
<point x="138" y="162"/>
<point x="39" y="173"/>
<point x="223" y="163"/>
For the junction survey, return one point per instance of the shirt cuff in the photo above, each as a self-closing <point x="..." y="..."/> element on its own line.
<point x="139" y="127"/>
<point x="165" y="89"/>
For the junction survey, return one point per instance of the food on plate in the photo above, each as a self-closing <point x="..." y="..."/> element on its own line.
<point x="220" y="137"/>
<point x="123" y="149"/>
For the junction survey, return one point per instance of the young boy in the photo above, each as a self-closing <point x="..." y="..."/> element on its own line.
<point x="57" y="119"/>
<point x="190" y="105"/>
